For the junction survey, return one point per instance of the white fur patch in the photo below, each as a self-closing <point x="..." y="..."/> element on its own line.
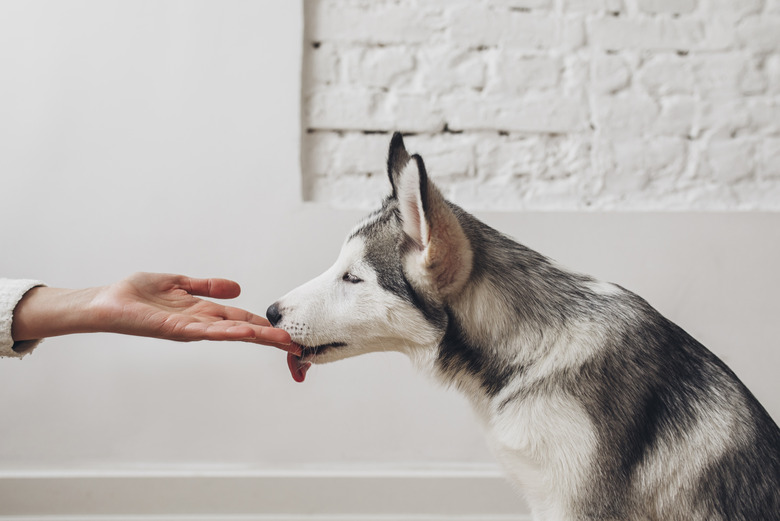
<point x="362" y="315"/>
<point x="546" y="443"/>
<point x="604" y="288"/>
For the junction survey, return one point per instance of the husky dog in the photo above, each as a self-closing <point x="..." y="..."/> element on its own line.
<point x="598" y="407"/>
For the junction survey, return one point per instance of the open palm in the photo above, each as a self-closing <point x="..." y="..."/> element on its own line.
<point x="167" y="306"/>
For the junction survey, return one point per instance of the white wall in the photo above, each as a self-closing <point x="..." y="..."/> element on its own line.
<point x="164" y="136"/>
<point x="550" y="104"/>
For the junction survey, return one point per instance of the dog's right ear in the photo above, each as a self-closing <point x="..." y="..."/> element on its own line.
<point x="397" y="159"/>
<point x="440" y="257"/>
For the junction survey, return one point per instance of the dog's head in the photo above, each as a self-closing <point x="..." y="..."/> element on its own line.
<point x="390" y="285"/>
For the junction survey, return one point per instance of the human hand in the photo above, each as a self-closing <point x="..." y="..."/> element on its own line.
<point x="146" y="304"/>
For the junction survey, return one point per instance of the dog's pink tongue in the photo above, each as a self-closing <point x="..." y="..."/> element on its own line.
<point x="297" y="367"/>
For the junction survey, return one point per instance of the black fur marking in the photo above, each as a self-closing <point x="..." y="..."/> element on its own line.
<point x="642" y="390"/>
<point x="457" y="355"/>
<point x="318" y="350"/>
<point x="432" y="313"/>
<point x="649" y="386"/>
<point x="397" y="157"/>
<point x="385" y="245"/>
<point x="423" y="185"/>
<point x="743" y="484"/>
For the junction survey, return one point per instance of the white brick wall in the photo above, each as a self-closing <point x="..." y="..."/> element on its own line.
<point x="547" y="104"/>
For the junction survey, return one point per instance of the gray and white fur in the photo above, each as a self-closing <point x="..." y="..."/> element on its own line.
<point x="598" y="407"/>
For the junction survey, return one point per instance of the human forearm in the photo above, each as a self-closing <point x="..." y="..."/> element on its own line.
<point x="45" y="312"/>
<point x="144" y="304"/>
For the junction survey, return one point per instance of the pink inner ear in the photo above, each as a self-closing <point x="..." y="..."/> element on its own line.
<point x="414" y="223"/>
<point x="446" y="254"/>
<point x="412" y="227"/>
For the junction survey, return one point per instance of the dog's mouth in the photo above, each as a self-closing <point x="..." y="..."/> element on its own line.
<point x="299" y="364"/>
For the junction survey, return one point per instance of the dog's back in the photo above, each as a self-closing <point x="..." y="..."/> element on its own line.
<point x="679" y="437"/>
<point x="619" y="412"/>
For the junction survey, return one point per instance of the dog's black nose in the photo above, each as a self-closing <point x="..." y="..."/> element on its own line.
<point x="273" y="314"/>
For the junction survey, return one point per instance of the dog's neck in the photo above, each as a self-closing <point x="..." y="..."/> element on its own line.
<point x="518" y="314"/>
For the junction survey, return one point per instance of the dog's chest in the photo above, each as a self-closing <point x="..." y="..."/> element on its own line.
<point x="545" y="443"/>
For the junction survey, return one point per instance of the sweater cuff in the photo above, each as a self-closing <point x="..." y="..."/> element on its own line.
<point x="11" y="292"/>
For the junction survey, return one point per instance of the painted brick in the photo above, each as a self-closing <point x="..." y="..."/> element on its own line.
<point x="524" y="4"/>
<point x="760" y="33"/>
<point x="756" y="195"/>
<point x="729" y="75"/>
<point x="660" y="34"/>
<point x="722" y="119"/>
<point x="754" y="78"/>
<point x="764" y="116"/>
<point x="610" y="74"/>
<point x="443" y="68"/>
<point x="625" y="114"/>
<point x="769" y="159"/>
<point x="635" y="114"/>
<point x="576" y="75"/>
<point x="667" y="74"/>
<point x="321" y="66"/>
<point x="414" y="112"/>
<point x="572" y="34"/>
<point x="447" y="156"/>
<point x="544" y="113"/>
<point x="350" y="109"/>
<point x="772" y="68"/>
<point x="379" y="66"/>
<point x="393" y="23"/>
<point x="757" y="117"/>
<point x="518" y="72"/>
<point x="737" y="8"/>
<point x="474" y="26"/>
<point x="319" y="156"/>
<point x="666" y="6"/>
<point x="341" y="109"/>
<point x="536" y="157"/>
<point x="676" y="117"/>
<point x="729" y="161"/>
<point x="547" y="104"/>
<point x="634" y="165"/>
<point x="593" y="6"/>
<point x="346" y="154"/>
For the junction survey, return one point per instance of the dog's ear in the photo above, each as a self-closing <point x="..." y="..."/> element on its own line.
<point x="397" y="159"/>
<point x="441" y="255"/>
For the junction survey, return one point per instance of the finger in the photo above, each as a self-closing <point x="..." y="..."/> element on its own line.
<point x="224" y="330"/>
<point x="290" y="348"/>
<point x="238" y="314"/>
<point x="235" y="330"/>
<point x="243" y="315"/>
<point x="215" y="288"/>
<point x="275" y="336"/>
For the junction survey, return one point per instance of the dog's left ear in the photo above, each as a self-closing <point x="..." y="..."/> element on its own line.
<point x="441" y="252"/>
<point x="397" y="159"/>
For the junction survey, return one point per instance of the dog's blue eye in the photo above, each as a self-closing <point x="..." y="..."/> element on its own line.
<point x="348" y="277"/>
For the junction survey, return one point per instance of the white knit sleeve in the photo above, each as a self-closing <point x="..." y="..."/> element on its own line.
<point x="11" y="292"/>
